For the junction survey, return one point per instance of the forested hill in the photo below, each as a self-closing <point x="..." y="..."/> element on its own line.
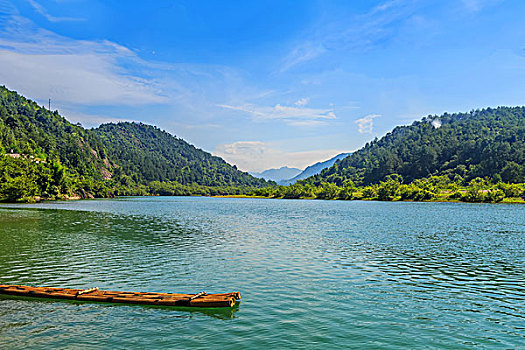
<point x="26" y="128"/>
<point x="44" y="155"/>
<point x="463" y="146"/>
<point x="150" y="154"/>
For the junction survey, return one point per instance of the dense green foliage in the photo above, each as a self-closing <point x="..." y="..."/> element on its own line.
<point x="433" y="188"/>
<point x="463" y="146"/>
<point x="44" y="155"/>
<point x="150" y="154"/>
<point x="26" y="128"/>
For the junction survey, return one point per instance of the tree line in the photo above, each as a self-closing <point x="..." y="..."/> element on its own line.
<point x="433" y="188"/>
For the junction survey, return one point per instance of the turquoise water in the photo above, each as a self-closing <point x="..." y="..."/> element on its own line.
<point x="312" y="274"/>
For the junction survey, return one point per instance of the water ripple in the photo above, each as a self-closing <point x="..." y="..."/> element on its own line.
<point x="316" y="274"/>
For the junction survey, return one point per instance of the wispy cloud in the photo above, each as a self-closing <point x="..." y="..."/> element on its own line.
<point x="196" y="126"/>
<point x="299" y="116"/>
<point x="252" y="147"/>
<point x="365" y="125"/>
<point x="40" y="9"/>
<point x="303" y="52"/>
<point x="306" y="123"/>
<point x="257" y="156"/>
<point x="478" y="5"/>
<point x="76" y="78"/>
<point x="354" y="32"/>
<point x="44" y="64"/>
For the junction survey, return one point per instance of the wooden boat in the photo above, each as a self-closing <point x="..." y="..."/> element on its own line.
<point x="94" y="294"/>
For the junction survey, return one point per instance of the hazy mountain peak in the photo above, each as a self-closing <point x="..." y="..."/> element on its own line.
<point x="278" y="174"/>
<point x="314" y="169"/>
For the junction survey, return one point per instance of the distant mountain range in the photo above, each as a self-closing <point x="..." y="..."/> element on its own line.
<point x="278" y="175"/>
<point x="313" y="169"/>
<point x="285" y="175"/>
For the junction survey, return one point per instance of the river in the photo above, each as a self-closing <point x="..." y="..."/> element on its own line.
<point x="312" y="274"/>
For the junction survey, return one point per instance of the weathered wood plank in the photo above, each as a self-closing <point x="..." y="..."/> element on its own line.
<point x="144" y="298"/>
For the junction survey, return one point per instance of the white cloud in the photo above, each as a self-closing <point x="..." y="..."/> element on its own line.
<point x="302" y="102"/>
<point x="256" y="156"/>
<point x="42" y="64"/>
<point x="40" y="9"/>
<point x="244" y="147"/>
<point x="291" y="115"/>
<point x="365" y="125"/>
<point x="75" y="78"/>
<point x="201" y="126"/>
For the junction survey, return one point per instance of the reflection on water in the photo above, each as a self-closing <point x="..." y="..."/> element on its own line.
<point x="311" y="273"/>
<point x="219" y="313"/>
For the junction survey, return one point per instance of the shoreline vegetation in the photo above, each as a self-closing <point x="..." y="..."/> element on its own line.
<point x="25" y="181"/>
<point x="431" y="189"/>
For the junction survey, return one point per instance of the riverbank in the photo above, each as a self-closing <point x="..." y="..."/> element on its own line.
<point x="431" y="189"/>
<point x="436" y="200"/>
<point x="439" y="199"/>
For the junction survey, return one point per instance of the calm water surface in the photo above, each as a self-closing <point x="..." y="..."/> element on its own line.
<point x="312" y="274"/>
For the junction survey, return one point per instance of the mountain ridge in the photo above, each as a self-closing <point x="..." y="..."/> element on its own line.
<point x="314" y="169"/>
<point x="277" y="174"/>
<point x="156" y="155"/>
<point x="463" y="146"/>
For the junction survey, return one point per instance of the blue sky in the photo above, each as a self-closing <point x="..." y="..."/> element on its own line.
<point x="265" y="84"/>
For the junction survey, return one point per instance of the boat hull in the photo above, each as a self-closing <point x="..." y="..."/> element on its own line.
<point x="141" y="298"/>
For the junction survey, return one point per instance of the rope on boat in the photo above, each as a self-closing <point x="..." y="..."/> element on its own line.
<point x="197" y="295"/>
<point x="87" y="291"/>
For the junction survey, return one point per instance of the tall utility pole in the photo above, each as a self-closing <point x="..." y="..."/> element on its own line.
<point x="49" y="105"/>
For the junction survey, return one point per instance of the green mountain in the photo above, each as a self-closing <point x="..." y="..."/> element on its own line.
<point x="462" y="146"/>
<point x="44" y="155"/>
<point x="151" y="154"/>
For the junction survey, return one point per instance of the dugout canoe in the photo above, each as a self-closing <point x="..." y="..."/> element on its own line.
<point x="94" y="294"/>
